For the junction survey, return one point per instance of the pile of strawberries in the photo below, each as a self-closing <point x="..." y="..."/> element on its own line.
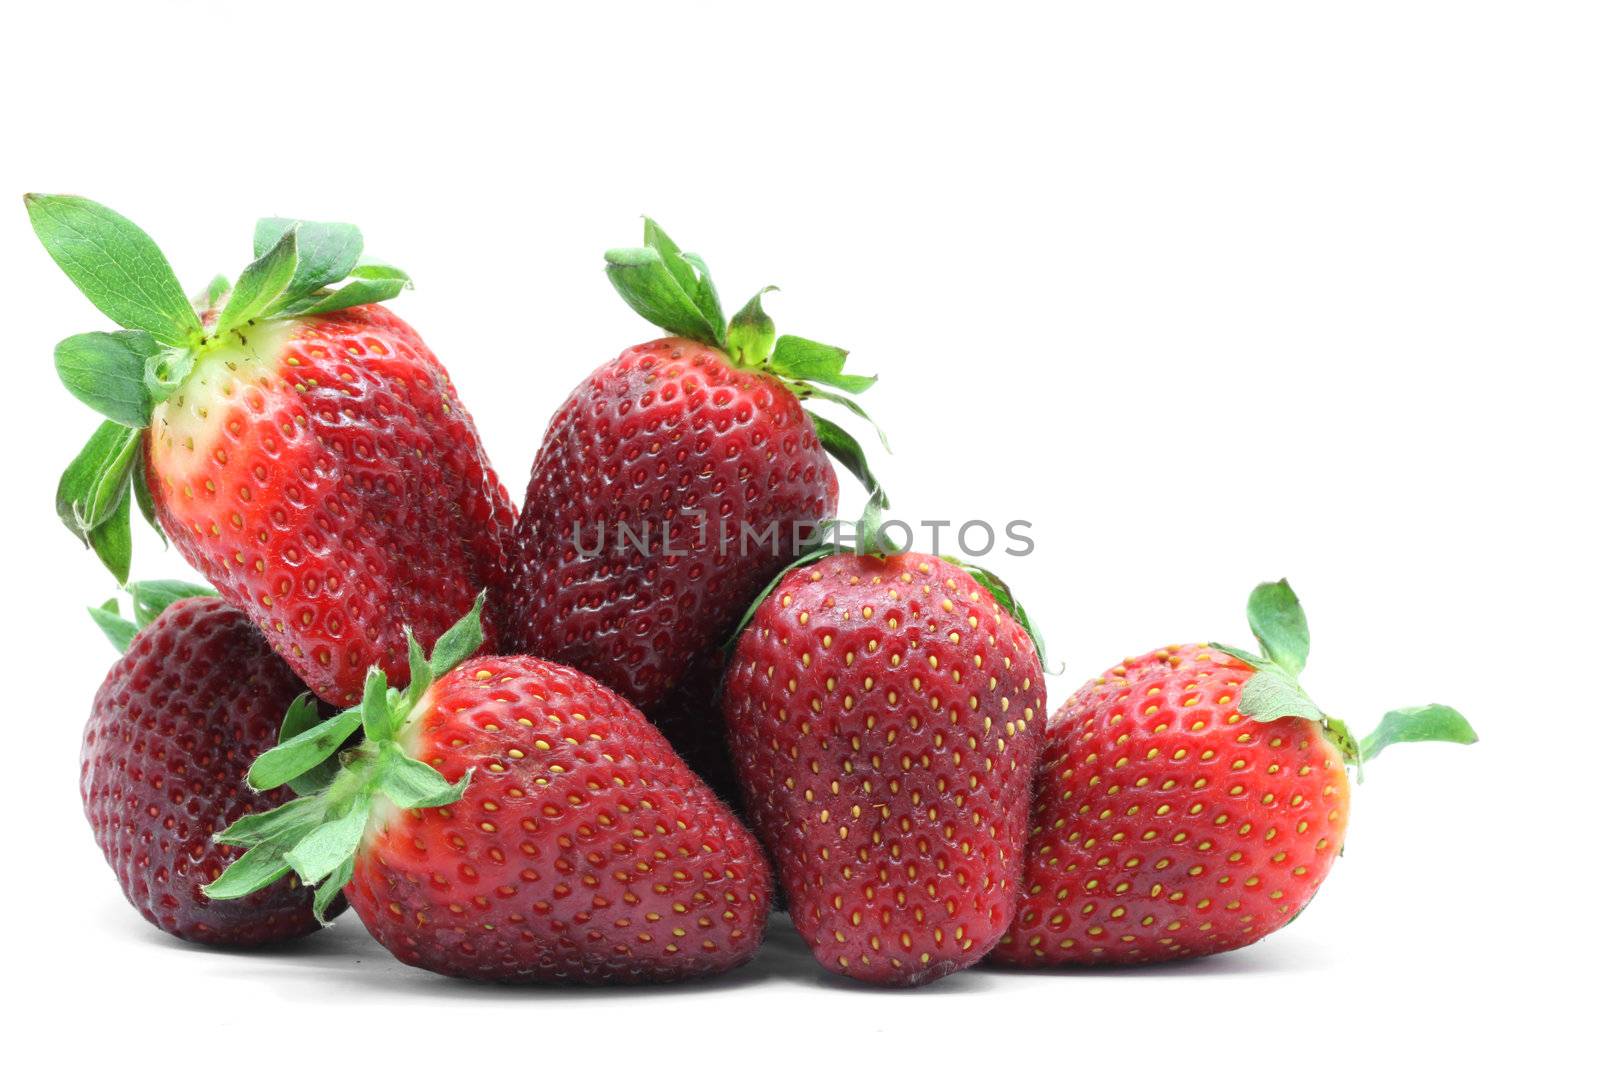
<point x="577" y="742"/>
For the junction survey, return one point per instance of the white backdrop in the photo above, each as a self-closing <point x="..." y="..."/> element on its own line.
<point x="1210" y="294"/>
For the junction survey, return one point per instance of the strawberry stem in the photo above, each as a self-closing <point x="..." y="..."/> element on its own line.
<point x="1273" y="691"/>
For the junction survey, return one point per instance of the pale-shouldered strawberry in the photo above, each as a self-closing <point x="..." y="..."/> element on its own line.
<point x="1192" y="800"/>
<point x="298" y="443"/>
<point x="675" y="481"/>
<point x="510" y="819"/>
<point x="886" y="715"/>
<point x="196" y="695"/>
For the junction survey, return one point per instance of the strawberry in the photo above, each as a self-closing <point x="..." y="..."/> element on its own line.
<point x="1192" y="800"/>
<point x="299" y="444"/>
<point x="195" y="697"/>
<point x="512" y="820"/>
<point x="886" y="714"/>
<point x="632" y="556"/>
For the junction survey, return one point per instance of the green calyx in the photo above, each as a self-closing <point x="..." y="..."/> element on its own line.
<point x="1274" y="692"/>
<point x="125" y="374"/>
<point x="338" y="787"/>
<point x="673" y="290"/>
<point x="148" y="601"/>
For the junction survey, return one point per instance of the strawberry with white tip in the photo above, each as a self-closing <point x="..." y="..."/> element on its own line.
<point x="296" y="440"/>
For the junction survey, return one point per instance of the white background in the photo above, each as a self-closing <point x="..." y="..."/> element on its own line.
<point x="1209" y="293"/>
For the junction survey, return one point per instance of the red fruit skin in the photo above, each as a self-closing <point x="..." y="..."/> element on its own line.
<point x="669" y="433"/>
<point x="584" y="850"/>
<point x="325" y="478"/>
<point x="175" y="725"/>
<point x="886" y="717"/>
<point x="1169" y="824"/>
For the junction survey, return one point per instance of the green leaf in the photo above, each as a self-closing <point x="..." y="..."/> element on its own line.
<point x="704" y="293"/>
<point x="751" y="332"/>
<point x="806" y="391"/>
<point x="376" y="722"/>
<point x="460" y="641"/>
<point x="870" y="538"/>
<point x="269" y="835"/>
<point x="329" y="888"/>
<point x="212" y="294"/>
<point x="372" y="270"/>
<point x="838" y="443"/>
<point x="92" y="496"/>
<point x="303" y="714"/>
<point x="258" y="868"/>
<point x="1269" y="694"/>
<point x="648" y="286"/>
<point x="262" y="283"/>
<point x="421" y="677"/>
<point x="140" y="478"/>
<point x="119" y="631"/>
<point x="287" y="822"/>
<point x="1430" y="722"/>
<point x="109" y="491"/>
<point x="151" y="598"/>
<point x="116" y="265"/>
<point x="328" y="252"/>
<point x="301" y="753"/>
<point x="86" y="477"/>
<point x="1279" y="623"/>
<point x="112" y="540"/>
<point x="325" y="849"/>
<point x="1336" y="731"/>
<point x="689" y="271"/>
<point x="1252" y="658"/>
<point x="106" y="372"/>
<point x="413" y="784"/>
<point x="811" y="361"/>
<point x="355" y="294"/>
<point x="167" y="371"/>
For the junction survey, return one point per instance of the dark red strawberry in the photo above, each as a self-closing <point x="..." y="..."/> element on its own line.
<point x="886" y="715"/>
<point x="513" y="820"/>
<point x="196" y="696"/>
<point x="690" y="718"/>
<point x="299" y="444"/>
<point x="674" y="482"/>
<point x="1192" y="800"/>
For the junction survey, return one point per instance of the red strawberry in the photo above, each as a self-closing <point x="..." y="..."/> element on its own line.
<point x="195" y="697"/>
<point x="657" y="464"/>
<point x="1192" y="800"/>
<point x="301" y="446"/>
<point x="886" y="715"/>
<point x="513" y="820"/>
